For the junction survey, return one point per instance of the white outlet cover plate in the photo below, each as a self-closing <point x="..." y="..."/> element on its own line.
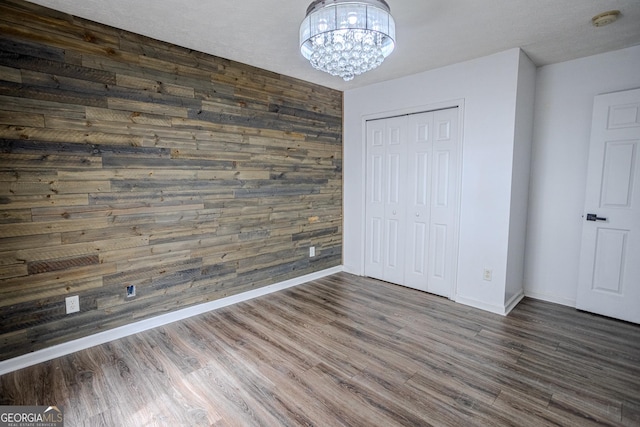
<point x="73" y="304"/>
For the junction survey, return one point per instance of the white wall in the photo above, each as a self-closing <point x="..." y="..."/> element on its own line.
<point x="562" y="124"/>
<point x="523" y="137"/>
<point x="487" y="87"/>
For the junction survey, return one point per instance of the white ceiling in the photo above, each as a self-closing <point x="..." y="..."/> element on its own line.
<point x="430" y="34"/>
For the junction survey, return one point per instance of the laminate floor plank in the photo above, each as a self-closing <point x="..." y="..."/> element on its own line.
<point x="564" y="373"/>
<point x="355" y="405"/>
<point x="430" y="410"/>
<point x="289" y="346"/>
<point x="630" y="413"/>
<point x="307" y="337"/>
<point x="570" y="324"/>
<point x="481" y="373"/>
<point x="514" y="405"/>
<point x="374" y="350"/>
<point x="351" y="351"/>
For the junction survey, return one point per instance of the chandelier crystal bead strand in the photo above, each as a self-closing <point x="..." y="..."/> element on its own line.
<point x="347" y="38"/>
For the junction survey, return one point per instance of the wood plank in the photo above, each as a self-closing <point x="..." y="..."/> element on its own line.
<point x="146" y="107"/>
<point x="24" y="242"/>
<point x="154" y="86"/>
<point x="79" y="249"/>
<point x="177" y="68"/>
<point x="49" y="282"/>
<point x="10" y="45"/>
<point x="49" y="108"/>
<point x="49" y="94"/>
<point x="68" y="135"/>
<point x="37" y="267"/>
<point x="104" y="114"/>
<point x="143" y="46"/>
<point x="153" y="260"/>
<point x="150" y="272"/>
<point x="82" y="41"/>
<point x="132" y="174"/>
<point x="15" y="215"/>
<point x="53" y="71"/>
<point x="28" y="229"/>
<point x="234" y="250"/>
<point x="13" y="270"/>
<point x="21" y="119"/>
<point x="26" y="202"/>
<point x="23" y="188"/>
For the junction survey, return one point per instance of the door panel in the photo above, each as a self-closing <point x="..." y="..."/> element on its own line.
<point x="419" y="175"/>
<point x="624" y="116"/>
<point x="609" y="277"/>
<point x="393" y="238"/>
<point x="376" y="179"/>
<point x="617" y="177"/>
<point x="395" y="132"/>
<point x="393" y="179"/>
<point x="422" y="132"/>
<point x="375" y="203"/>
<point x="438" y="251"/>
<point x="418" y="252"/>
<point x="385" y="210"/>
<point x="394" y="210"/>
<point x="377" y="139"/>
<point x="444" y="129"/>
<point x="442" y="179"/>
<point x="446" y="147"/>
<point x="422" y="174"/>
<point x="609" y="260"/>
<point x="376" y="241"/>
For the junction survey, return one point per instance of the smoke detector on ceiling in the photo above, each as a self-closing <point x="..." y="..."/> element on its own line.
<point x="605" y="18"/>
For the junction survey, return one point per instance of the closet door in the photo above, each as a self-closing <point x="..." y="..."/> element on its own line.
<point x="418" y="200"/>
<point x="385" y="199"/>
<point x="442" y="252"/>
<point x="411" y="200"/>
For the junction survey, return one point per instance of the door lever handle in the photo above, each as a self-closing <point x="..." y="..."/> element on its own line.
<point x="595" y="217"/>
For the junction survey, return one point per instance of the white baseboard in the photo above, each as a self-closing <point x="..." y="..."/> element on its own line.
<point x="551" y="298"/>
<point x="502" y="310"/>
<point x="352" y="270"/>
<point x="511" y="304"/>
<point x="59" y="350"/>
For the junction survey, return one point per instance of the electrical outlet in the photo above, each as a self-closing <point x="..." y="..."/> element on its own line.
<point x="73" y="304"/>
<point x="312" y="251"/>
<point x="487" y="274"/>
<point x="131" y="291"/>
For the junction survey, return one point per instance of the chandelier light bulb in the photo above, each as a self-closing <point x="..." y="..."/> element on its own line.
<point x="346" y="38"/>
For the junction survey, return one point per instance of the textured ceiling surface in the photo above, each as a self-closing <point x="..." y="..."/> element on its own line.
<point x="430" y="34"/>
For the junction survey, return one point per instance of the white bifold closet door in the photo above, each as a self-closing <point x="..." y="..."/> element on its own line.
<point x="411" y="200"/>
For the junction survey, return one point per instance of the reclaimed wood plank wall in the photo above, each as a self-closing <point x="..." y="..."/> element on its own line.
<point x="125" y="160"/>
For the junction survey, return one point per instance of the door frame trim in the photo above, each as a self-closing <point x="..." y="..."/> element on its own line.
<point x="425" y="108"/>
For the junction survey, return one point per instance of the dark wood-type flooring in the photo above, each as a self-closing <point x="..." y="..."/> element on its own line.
<point x="346" y="350"/>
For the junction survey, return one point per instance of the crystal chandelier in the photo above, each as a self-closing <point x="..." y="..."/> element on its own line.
<point x="347" y="37"/>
